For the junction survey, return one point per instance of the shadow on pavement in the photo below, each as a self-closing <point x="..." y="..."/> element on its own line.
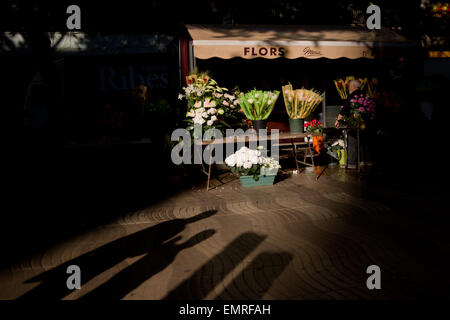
<point x="151" y="240"/>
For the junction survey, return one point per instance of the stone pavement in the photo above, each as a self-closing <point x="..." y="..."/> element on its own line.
<point x="297" y="239"/>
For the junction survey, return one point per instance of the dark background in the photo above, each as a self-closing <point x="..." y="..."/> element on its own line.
<point x="53" y="192"/>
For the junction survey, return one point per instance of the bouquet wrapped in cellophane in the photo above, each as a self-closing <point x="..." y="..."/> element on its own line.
<point x="343" y="85"/>
<point x="257" y="104"/>
<point x="300" y="103"/>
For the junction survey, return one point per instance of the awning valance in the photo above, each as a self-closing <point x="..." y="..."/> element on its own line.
<point x="312" y="42"/>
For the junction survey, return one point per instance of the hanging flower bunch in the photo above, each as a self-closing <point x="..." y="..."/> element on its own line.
<point x="313" y="126"/>
<point x="372" y="87"/>
<point x="247" y="161"/>
<point x="343" y="85"/>
<point x="362" y="110"/>
<point x="208" y="104"/>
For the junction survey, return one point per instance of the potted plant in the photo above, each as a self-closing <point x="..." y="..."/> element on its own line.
<point x="257" y="105"/>
<point x="315" y="127"/>
<point x="252" y="167"/>
<point x="299" y="105"/>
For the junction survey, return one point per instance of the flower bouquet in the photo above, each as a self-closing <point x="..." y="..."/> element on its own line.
<point x="362" y="110"/>
<point x="257" y="105"/>
<point x="337" y="151"/>
<point x="208" y="104"/>
<point x="342" y="86"/>
<point x="252" y="167"/>
<point x="316" y="127"/>
<point x="299" y="105"/>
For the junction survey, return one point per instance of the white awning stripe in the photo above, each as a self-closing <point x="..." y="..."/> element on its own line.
<point x="299" y="43"/>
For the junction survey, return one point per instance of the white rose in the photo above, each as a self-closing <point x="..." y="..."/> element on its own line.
<point x="236" y="102"/>
<point x="247" y="165"/>
<point x="253" y="159"/>
<point x="212" y="111"/>
<point x="243" y="149"/>
<point x="180" y="96"/>
<point x="210" y="122"/>
<point x="231" y="160"/>
<point x="214" y="118"/>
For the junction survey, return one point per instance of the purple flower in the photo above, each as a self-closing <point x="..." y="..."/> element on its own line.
<point x="361" y="100"/>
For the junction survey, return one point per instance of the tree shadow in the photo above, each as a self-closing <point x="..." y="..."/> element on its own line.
<point x="151" y="240"/>
<point x="257" y="278"/>
<point x="216" y="269"/>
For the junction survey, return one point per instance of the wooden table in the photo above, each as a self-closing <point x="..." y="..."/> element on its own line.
<point x="280" y="136"/>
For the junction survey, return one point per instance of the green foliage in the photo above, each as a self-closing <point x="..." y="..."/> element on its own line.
<point x="258" y="104"/>
<point x="254" y="171"/>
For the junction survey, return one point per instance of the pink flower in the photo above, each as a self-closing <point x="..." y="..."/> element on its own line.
<point x="225" y="103"/>
<point x="361" y="109"/>
<point x="361" y="100"/>
<point x="353" y="100"/>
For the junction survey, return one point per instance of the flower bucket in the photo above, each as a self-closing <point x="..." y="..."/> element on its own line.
<point x="318" y="143"/>
<point x="259" y="125"/>
<point x="296" y="125"/>
<point x="342" y="157"/>
<point x="248" y="181"/>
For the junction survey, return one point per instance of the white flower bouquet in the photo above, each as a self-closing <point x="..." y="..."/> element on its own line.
<point x="246" y="162"/>
<point x="208" y="104"/>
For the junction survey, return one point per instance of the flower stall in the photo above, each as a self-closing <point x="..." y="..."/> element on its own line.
<point x="264" y="57"/>
<point x="264" y="61"/>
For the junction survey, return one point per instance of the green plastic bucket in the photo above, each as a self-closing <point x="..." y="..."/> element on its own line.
<point x="296" y="125"/>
